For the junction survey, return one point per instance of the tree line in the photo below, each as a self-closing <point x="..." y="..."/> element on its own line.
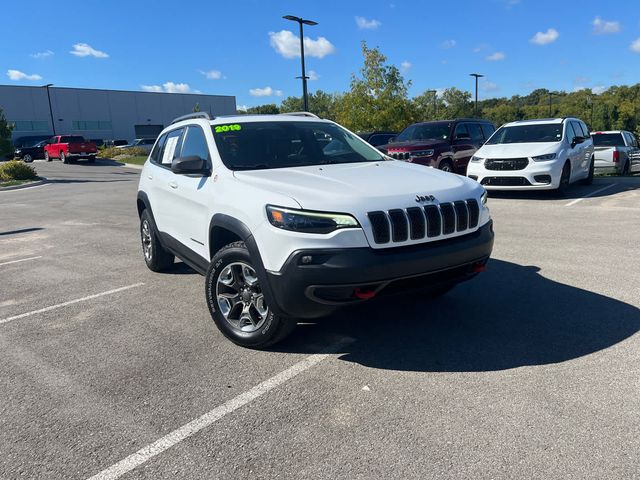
<point x="378" y="99"/>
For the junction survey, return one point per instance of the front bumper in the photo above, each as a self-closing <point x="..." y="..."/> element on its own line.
<point x="535" y="176"/>
<point x="333" y="278"/>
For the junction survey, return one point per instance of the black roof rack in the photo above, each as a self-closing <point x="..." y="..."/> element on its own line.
<point x="188" y="116"/>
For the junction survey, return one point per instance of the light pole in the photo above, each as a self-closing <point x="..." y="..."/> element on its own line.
<point x="477" y="75"/>
<point x="550" y="95"/>
<point x="53" y="125"/>
<point x="435" y="106"/>
<point x="304" y="77"/>
<point x="590" y="104"/>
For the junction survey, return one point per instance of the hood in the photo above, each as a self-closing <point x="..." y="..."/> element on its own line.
<point x="362" y="187"/>
<point x="413" y="145"/>
<point x="517" y="150"/>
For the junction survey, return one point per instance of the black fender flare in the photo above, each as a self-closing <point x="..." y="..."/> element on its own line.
<point x="237" y="227"/>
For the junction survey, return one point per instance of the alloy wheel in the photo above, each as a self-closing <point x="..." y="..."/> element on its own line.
<point x="240" y="298"/>
<point x="147" y="246"/>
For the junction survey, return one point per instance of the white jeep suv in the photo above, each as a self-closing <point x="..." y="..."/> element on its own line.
<point x="546" y="154"/>
<point x="290" y="217"/>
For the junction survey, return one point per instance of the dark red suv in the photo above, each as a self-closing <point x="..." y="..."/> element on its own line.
<point x="444" y="144"/>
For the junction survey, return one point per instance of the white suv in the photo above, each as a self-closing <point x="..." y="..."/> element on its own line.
<point x="544" y="154"/>
<point x="290" y="217"/>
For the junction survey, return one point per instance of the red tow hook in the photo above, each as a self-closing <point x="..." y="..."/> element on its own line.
<point x="363" y="294"/>
<point x="479" y="267"/>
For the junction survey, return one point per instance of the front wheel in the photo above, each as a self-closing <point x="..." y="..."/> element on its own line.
<point x="237" y="303"/>
<point x="47" y="157"/>
<point x="446" y="166"/>
<point x="27" y="158"/>
<point x="564" y="180"/>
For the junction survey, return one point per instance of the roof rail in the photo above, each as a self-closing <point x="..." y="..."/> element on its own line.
<point x="301" y="114"/>
<point x="188" y="116"/>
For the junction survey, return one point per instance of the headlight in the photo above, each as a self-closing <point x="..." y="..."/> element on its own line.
<point x="309" y="222"/>
<point x="18" y="151"/>
<point x="542" y="158"/>
<point x="422" y="153"/>
<point x="476" y="159"/>
<point x="483" y="197"/>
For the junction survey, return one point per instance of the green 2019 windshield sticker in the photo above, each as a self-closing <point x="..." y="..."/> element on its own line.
<point x="228" y="128"/>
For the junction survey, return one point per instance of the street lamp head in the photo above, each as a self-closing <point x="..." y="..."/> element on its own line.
<point x="309" y="22"/>
<point x="477" y="75"/>
<point x="292" y="18"/>
<point x="48" y="85"/>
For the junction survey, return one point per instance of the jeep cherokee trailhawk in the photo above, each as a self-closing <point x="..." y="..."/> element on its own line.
<point x="290" y="217"/>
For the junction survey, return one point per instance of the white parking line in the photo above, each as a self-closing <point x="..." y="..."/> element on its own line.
<point x="164" y="443"/>
<point x="591" y="194"/>
<point x="70" y="302"/>
<point x="21" y="260"/>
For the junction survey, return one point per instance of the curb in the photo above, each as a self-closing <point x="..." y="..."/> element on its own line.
<point x="133" y="165"/>
<point x="37" y="183"/>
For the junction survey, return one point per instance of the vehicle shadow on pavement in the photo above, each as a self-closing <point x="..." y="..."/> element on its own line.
<point x="510" y="316"/>
<point x="623" y="184"/>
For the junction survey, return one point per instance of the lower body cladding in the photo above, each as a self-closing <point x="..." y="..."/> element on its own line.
<point x="314" y="283"/>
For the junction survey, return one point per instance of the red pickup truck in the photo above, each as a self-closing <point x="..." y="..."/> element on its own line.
<point x="70" y="147"/>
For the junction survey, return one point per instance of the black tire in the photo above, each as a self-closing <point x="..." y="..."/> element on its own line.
<point x="626" y="171"/>
<point x="155" y="256"/>
<point x="589" y="179"/>
<point x="91" y="159"/>
<point x="47" y="157"/>
<point x="27" y="158"/>
<point x="63" y="158"/>
<point x="270" y="328"/>
<point x="565" y="178"/>
<point x="446" y="166"/>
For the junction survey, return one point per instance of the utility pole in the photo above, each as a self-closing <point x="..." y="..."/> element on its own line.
<point x="550" y="94"/>
<point x="53" y="124"/>
<point x="477" y="75"/>
<point x="301" y="21"/>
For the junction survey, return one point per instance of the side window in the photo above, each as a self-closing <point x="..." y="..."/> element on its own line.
<point x="488" y="130"/>
<point x="195" y="143"/>
<point x="634" y="141"/>
<point x="476" y="133"/>
<point x="577" y="129"/>
<point x="570" y="133"/>
<point x="461" y="132"/>
<point x="171" y="147"/>
<point x="156" y="153"/>
<point x="585" y="130"/>
<point x="377" y="140"/>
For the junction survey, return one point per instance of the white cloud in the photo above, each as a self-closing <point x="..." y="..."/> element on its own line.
<point x="364" y="24"/>
<point x="405" y="66"/>
<point x="480" y="48"/>
<point x="169" y="87"/>
<point x="313" y="76"/>
<point x="544" y="38"/>
<point x="577" y="88"/>
<point x="488" y="86"/>
<point x="635" y="46"/>
<point x="496" y="57"/>
<point x="212" y="74"/>
<point x="288" y="45"/>
<point x="265" y="92"/>
<point x="86" y="50"/>
<point x="18" y="75"/>
<point x="242" y="108"/>
<point x="448" y="44"/>
<point x="599" y="89"/>
<point x="601" y="27"/>
<point x="45" y="54"/>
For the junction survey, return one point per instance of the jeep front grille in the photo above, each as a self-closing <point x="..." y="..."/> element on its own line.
<point x="400" y="155"/>
<point x="415" y="223"/>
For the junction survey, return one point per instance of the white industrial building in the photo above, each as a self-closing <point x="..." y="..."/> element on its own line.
<point x="100" y="114"/>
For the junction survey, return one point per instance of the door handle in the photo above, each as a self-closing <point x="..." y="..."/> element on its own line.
<point x="173" y="184"/>
<point x="150" y="177"/>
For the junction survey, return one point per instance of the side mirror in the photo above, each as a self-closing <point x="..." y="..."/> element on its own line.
<point x="192" y="164"/>
<point x="576" y="141"/>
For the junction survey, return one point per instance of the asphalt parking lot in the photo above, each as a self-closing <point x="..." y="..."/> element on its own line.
<point x="530" y="370"/>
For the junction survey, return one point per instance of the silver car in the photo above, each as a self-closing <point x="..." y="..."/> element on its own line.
<point x="616" y="151"/>
<point x="145" y="143"/>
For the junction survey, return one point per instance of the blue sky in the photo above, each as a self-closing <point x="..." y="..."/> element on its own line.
<point x="244" y="47"/>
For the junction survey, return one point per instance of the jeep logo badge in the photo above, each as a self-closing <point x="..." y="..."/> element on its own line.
<point x="425" y="198"/>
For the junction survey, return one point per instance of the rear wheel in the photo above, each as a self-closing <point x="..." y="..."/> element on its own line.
<point x="63" y="158"/>
<point x="589" y="179"/>
<point x="92" y="159"/>
<point x="27" y="158"/>
<point x="237" y="302"/>
<point x="626" y="169"/>
<point x="155" y="256"/>
<point x="47" y="157"/>
<point x="446" y="166"/>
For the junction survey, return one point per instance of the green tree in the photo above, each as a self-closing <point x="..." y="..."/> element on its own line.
<point x="321" y="103"/>
<point x="458" y="103"/>
<point x="196" y="107"/>
<point x="270" y="108"/>
<point x="6" y="148"/>
<point x="378" y="97"/>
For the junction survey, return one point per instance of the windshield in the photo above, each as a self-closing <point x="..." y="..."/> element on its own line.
<point x="608" y="140"/>
<point x="425" y="131"/>
<point x="265" y="145"/>
<point x="551" y="132"/>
